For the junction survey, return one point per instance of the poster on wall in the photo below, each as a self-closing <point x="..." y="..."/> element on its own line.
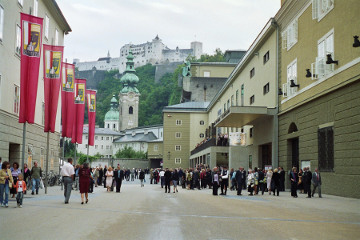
<point x="305" y="163"/>
<point x="237" y="139"/>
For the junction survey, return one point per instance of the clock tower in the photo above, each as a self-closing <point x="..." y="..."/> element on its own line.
<point x="129" y="96"/>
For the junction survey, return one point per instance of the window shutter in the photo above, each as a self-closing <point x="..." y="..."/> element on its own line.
<point x="284" y="39"/>
<point x="320" y="67"/>
<point x="295" y="32"/>
<point x="315" y="9"/>
<point x="321" y="149"/>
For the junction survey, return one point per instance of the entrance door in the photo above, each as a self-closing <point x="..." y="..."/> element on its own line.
<point x="14" y="153"/>
<point x="266" y="155"/>
<point x="295" y="153"/>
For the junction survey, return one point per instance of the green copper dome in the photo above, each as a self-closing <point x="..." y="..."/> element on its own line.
<point x="113" y="113"/>
<point x="129" y="80"/>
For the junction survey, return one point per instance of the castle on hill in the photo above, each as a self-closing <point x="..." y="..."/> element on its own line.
<point x="154" y="52"/>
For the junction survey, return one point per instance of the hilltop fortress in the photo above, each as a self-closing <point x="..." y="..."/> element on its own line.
<point x="154" y="52"/>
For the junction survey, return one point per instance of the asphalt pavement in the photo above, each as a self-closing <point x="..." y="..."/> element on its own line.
<point x="150" y="213"/>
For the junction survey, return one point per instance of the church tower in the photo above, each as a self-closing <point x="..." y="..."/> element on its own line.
<point x="111" y="120"/>
<point x="129" y="96"/>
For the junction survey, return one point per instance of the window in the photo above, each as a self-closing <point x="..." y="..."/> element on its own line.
<point x="178" y="135"/>
<point x="266" y="57"/>
<point x="16" y="99"/>
<point x="321" y="7"/>
<point x="108" y="126"/>
<point x="251" y="132"/>
<point x="46" y="25"/>
<point x="291" y="76"/>
<point x="202" y="122"/>
<point x="96" y="146"/>
<point x="86" y="145"/>
<point x="43" y="113"/>
<point x="178" y="122"/>
<point x="266" y="88"/>
<point x="156" y="147"/>
<point x="242" y="94"/>
<point x="18" y="39"/>
<point x="177" y="148"/>
<point x="326" y="149"/>
<point x="102" y="138"/>
<point x="224" y="107"/>
<point x="114" y="126"/>
<point x="102" y="146"/>
<point x="228" y="104"/>
<point x="252" y="99"/>
<point x="206" y="74"/>
<point x="107" y="147"/>
<point x="237" y="97"/>
<point x="36" y="6"/>
<point x="21" y="2"/>
<point x="232" y="100"/>
<point x="96" y="137"/>
<point x="1" y="23"/>
<point x="325" y="46"/>
<point x="56" y="37"/>
<point x="177" y="160"/>
<point x="86" y="137"/>
<point x="252" y="72"/>
<point x="290" y="35"/>
<point x="201" y="135"/>
<point x="131" y="110"/>
<point x="107" y="138"/>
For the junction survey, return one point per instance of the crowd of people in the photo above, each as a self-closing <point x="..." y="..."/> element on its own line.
<point x="255" y="181"/>
<point x="14" y="181"/>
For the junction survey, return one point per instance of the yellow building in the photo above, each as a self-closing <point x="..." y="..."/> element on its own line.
<point x="319" y="111"/>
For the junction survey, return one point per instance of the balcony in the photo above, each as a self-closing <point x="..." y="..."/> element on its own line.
<point x="211" y="142"/>
<point x="241" y="116"/>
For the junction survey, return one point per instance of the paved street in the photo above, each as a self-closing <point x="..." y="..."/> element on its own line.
<point x="149" y="213"/>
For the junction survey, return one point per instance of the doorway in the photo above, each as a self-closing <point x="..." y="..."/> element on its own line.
<point x="266" y="155"/>
<point x="294" y="148"/>
<point x="14" y="153"/>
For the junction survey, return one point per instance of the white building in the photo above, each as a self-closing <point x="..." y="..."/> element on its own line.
<point x="55" y="27"/>
<point x="154" y="52"/>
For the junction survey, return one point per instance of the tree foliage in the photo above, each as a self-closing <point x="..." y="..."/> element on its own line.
<point x="129" y="152"/>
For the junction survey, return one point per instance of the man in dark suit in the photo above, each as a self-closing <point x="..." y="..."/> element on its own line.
<point x="307" y="181"/>
<point x="316" y="181"/>
<point x="240" y="179"/>
<point x="119" y="176"/>
<point x="167" y="179"/>
<point x="282" y="179"/>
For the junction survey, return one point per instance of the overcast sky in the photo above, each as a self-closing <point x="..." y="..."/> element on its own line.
<point x="102" y="25"/>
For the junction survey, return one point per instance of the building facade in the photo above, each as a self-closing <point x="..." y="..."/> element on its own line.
<point x="320" y="106"/>
<point x="11" y="131"/>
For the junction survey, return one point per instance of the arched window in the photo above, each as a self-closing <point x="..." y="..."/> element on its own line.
<point x="292" y="128"/>
<point x="131" y="110"/>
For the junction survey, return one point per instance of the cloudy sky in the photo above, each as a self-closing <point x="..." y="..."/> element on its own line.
<point x="102" y="25"/>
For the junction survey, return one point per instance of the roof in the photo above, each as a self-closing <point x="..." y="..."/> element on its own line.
<point x="53" y="6"/>
<point x="138" y="137"/>
<point x="187" y="106"/>
<point x="214" y="63"/>
<point x="102" y="131"/>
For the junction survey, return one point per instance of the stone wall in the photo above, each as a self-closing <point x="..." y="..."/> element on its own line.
<point x="124" y="163"/>
<point x="93" y="77"/>
<point x="162" y="69"/>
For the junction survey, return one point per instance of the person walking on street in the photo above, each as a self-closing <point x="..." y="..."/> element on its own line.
<point x="275" y="182"/>
<point x="84" y="182"/>
<point x="6" y="181"/>
<point x="224" y="180"/>
<point x="15" y="171"/>
<point x="167" y="179"/>
<point x="215" y="181"/>
<point x="119" y="177"/>
<point x="175" y="179"/>
<point x="316" y="181"/>
<point x="109" y="178"/>
<point x="67" y="173"/>
<point x="96" y="176"/>
<point x="36" y="175"/>
<point x="142" y="177"/>
<point x="239" y="180"/>
<point x="20" y="189"/>
<point x="294" y="182"/>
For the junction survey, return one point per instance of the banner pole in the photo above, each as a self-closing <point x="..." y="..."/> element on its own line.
<point x="23" y="149"/>
<point x="47" y="161"/>
<point x="75" y="156"/>
<point x="87" y="157"/>
<point x="63" y="160"/>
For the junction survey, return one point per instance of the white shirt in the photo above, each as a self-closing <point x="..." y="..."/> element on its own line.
<point x="67" y="170"/>
<point x="162" y="173"/>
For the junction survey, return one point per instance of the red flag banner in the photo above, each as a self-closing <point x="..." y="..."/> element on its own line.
<point x="53" y="56"/>
<point x="31" y="37"/>
<point x="91" y="104"/>
<point x="67" y="99"/>
<point x="79" y="100"/>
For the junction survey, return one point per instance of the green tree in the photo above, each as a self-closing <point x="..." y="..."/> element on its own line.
<point x="129" y="152"/>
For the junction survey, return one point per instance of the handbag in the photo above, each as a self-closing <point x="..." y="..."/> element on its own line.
<point x="41" y="184"/>
<point x="10" y="184"/>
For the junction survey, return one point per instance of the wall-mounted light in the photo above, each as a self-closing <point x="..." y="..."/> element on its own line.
<point x="280" y="92"/>
<point x="356" y="41"/>
<point x="292" y="84"/>
<point x="169" y="115"/>
<point x="308" y="73"/>
<point x="330" y="60"/>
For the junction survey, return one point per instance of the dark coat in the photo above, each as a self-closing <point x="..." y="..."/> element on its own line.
<point x="239" y="176"/>
<point x="116" y="175"/>
<point x="275" y="179"/>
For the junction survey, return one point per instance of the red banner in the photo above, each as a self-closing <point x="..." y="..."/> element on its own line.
<point x="31" y="37"/>
<point x="53" y="56"/>
<point x="91" y="104"/>
<point x="67" y="99"/>
<point x="79" y="100"/>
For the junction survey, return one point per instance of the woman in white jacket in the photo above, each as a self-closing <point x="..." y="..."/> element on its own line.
<point x="250" y="182"/>
<point x="268" y="180"/>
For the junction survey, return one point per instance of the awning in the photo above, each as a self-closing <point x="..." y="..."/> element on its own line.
<point x="241" y="116"/>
